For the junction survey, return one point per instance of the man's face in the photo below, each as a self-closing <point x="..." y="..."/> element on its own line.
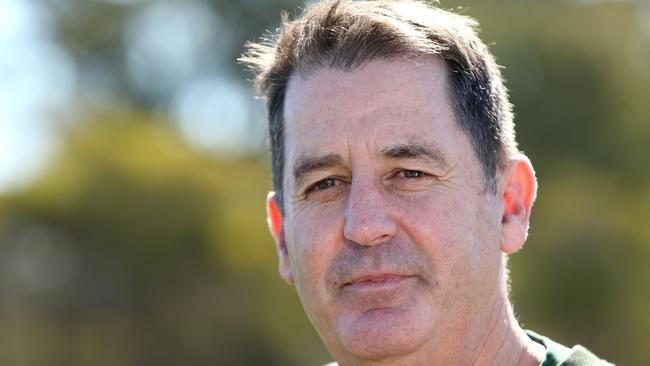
<point x="391" y="239"/>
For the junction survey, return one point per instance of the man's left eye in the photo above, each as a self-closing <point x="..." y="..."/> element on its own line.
<point x="413" y="174"/>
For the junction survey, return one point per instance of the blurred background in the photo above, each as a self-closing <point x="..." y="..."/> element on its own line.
<point x="133" y="171"/>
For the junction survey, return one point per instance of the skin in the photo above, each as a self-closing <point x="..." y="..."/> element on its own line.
<point x="388" y="234"/>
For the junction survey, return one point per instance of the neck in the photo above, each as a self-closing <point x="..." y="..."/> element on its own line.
<point x="503" y="343"/>
<point x="506" y="343"/>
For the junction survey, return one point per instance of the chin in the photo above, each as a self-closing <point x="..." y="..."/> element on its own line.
<point x="382" y="334"/>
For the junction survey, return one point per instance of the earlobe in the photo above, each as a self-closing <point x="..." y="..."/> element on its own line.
<point x="518" y="189"/>
<point x="275" y="222"/>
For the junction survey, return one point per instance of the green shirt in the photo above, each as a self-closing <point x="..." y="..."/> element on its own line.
<point x="559" y="355"/>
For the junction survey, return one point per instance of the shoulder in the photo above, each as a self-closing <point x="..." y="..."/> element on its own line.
<point x="580" y="356"/>
<point x="559" y="355"/>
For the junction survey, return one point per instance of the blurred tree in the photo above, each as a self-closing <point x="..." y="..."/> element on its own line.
<point x="161" y="256"/>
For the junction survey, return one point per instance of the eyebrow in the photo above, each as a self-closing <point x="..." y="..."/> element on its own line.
<point x="413" y="150"/>
<point x="306" y="165"/>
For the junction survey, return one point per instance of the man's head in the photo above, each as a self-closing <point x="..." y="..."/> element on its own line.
<point x="393" y="148"/>
<point x="346" y="35"/>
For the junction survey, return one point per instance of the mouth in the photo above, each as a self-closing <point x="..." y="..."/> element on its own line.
<point x="375" y="281"/>
<point x="368" y="293"/>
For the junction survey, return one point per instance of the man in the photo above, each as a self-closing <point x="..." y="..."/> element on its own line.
<point x="399" y="189"/>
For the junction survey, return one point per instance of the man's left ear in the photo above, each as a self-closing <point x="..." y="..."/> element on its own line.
<point x="518" y="189"/>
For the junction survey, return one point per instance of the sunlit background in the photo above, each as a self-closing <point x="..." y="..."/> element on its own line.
<point x="133" y="171"/>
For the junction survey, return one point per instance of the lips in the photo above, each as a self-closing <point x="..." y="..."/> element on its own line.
<point x="374" y="280"/>
<point x="370" y="292"/>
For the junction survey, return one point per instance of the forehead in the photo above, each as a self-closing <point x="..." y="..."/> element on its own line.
<point x="380" y="103"/>
<point x="407" y="84"/>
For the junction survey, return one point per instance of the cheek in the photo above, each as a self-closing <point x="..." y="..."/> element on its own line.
<point x="315" y="237"/>
<point x="437" y="220"/>
<point x="452" y="234"/>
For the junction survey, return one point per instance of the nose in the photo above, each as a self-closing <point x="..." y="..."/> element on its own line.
<point x="368" y="219"/>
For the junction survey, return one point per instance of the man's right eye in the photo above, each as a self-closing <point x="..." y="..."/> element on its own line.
<point x="325" y="184"/>
<point x="325" y="190"/>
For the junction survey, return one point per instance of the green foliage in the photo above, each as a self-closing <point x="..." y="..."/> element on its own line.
<point x="167" y="259"/>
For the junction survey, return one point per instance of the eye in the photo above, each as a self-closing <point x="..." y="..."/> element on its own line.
<point x="325" y="190"/>
<point x="411" y="180"/>
<point x="413" y="174"/>
<point x="325" y="184"/>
